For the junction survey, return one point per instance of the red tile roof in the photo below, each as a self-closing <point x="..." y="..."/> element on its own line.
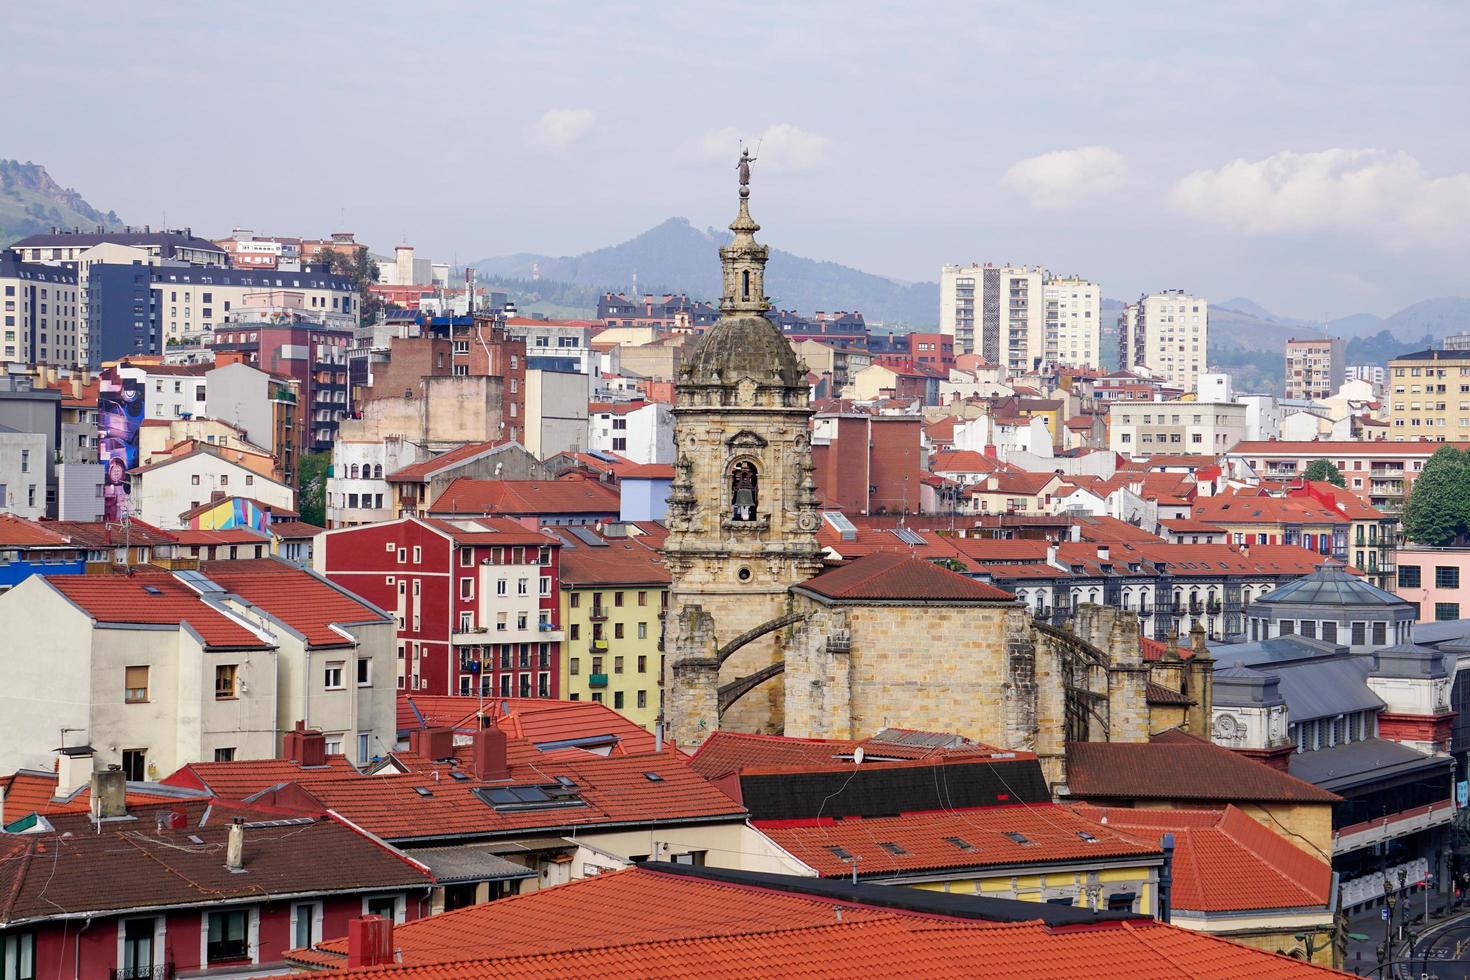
<point x="1264" y="510"/>
<point x="1225" y="861"/>
<point x="614" y="790"/>
<point x="622" y="562"/>
<point x="26" y="792"/>
<point x="301" y="599"/>
<point x="1174" y="765"/>
<point x="419" y="472"/>
<point x="99" y="535"/>
<point x="644" y="923"/>
<point x="893" y="575"/>
<point x="537" y="720"/>
<point x="1159" y="694"/>
<point x="647" y="471"/>
<point x="294" y="529"/>
<point x="466" y="496"/>
<point x="925" y="841"/>
<point x="233" y="535"/>
<point x="967" y="461"/>
<point x="154" y="599"/>
<point x="17" y="532"/>
<point x="499" y="531"/>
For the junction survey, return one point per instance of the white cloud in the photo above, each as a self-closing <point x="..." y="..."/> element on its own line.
<point x="782" y="147"/>
<point x="1367" y="192"/>
<point x="558" y="129"/>
<point x="1067" y="177"/>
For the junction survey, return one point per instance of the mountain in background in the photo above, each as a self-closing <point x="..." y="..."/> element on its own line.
<point x="677" y="257"/>
<point x="32" y="203"/>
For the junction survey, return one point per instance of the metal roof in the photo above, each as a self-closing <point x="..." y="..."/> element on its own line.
<point x="1356" y="763"/>
<point x="1330" y="585"/>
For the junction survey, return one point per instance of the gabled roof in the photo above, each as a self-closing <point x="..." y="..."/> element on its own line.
<point x="80" y="868"/>
<point x="276" y="511"/>
<point x="191" y="537"/>
<point x="467" y="496"/>
<point x="420" y="472"/>
<point x="621" y="562"/>
<point x="726" y="751"/>
<point x="1226" y="861"/>
<point x="888" y="575"/>
<point x="17" y="532"/>
<point x="677" y="921"/>
<point x="1264" y="510"/>
<point x="1175" y="765"/>
<point x="98" y="535"/>
<point x="974" y="837"/>
<point x="154" y="598"/>
<point x="540" y="721"/>
<point x="494" y="531"/>
<point x="303" y="600"/>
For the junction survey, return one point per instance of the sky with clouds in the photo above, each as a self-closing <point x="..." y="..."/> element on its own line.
<point x="1312" y="156"/>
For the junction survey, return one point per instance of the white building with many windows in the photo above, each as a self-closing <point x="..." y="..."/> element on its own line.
<point x="1168" y="333"/>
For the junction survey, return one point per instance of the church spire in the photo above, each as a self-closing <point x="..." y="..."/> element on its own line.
<point x="744" y="259"/>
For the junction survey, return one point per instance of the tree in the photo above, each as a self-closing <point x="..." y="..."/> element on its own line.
<point x="312" y="483"/>
<point x="362" y="270"/>
<point x="1323" y="471"/>
<point x="1438" y="510"/>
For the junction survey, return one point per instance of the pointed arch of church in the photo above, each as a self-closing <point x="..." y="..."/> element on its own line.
<point x="741" y="686"/>
<point x="755" y="633"/>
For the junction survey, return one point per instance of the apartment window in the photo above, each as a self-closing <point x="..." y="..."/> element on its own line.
<point x="226" y="754"/>
<point x="642" y="699"/>
<point x="617" y="665"/>
<point x="334" y="742"/>
<point x="617" y="598"/>
<point x="500" y="587"/>
<point x="1409" y="576"/>
<point x="418" y="554"/>
<point x="134" y="764"/>
<point x="135" y="685"/>
<point x="332" y="676"/>
<point x="545" y="585"/>
<point x="575" y="631"/>
<point x="642" y="631"/>
<point x="224" y="681"/>
<point x="1380" y="634"/>
<point x="466" y="588"/>
<point x="574" y="666"/>
<point x="226" y="936"/>
<point x="18" y="955"/>
<point x="1446" y="577"/>
<point x="617" y="631"/>
<point x="466" y="558"/>
<point x="305" y="927"/>
<point x="364" y="747"/>
<point x="1360" y="634"/>
<point x="618" y="700"/>
<point x="364" y="673"/>
<point x="1446" y="611"/>
<point x="523" y="586"/>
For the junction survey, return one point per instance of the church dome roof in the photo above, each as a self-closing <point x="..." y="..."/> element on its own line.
<point x="744" y="345"/>
<point x="1330" y="585"/>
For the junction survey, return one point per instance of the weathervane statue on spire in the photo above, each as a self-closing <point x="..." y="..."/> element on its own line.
<point x="744" y="169"/>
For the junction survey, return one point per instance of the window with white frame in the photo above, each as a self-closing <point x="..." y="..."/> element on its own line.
<point x="332" y="675"/>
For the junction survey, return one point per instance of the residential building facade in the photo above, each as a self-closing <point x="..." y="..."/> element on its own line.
<point x="1315" y="367"/>
<point x="1175" y="428"/>
<point x="1168" y="333"/>
<point x="1429" y="396"/>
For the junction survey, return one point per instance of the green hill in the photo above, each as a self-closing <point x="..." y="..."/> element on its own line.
<point x="32" y="203"/>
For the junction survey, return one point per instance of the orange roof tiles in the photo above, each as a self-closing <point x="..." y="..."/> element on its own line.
<point x="26" y="792"/>
<point x="645" y="923"/>
<point x="1264" y="510"/>
<point x="154" y="599"/>
<point x="1225" y="861"/>
<point x="307" y="603"/>
<point x="914" y="842"/>
<point x="893" y="575"/>
<point x="17" y="532"/>
<point x="622" y="562"/>
<point x="467" y="496"/>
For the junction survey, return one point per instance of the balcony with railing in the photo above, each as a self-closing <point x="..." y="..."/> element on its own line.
<point x="597" y="680"/>
<point x="598" y="614"/>
<point x="164" y="971"/>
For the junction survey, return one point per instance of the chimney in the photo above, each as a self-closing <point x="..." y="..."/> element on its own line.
<point x="1166" y="876"/>
<point x="369" y="942"/>
<point x="305" y="746"/>
<point x="74" y="766"/>
<point x="432" y="743"/>
<point x="489" y="754"/>
<point x="109" y="794"/>
<point x="1103" y="552"/>
<point x="1051" y="555"/>
<point x="235" y="848"/>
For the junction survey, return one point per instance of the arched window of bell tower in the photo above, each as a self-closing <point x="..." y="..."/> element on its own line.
<point x="745" y="284"/>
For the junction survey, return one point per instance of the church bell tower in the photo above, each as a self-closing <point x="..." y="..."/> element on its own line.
<point x="742" y="510"/>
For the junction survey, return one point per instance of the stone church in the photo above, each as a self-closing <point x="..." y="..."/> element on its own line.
<point x="760" y="637"/>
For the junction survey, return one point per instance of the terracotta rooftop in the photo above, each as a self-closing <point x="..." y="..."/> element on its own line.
<point x="495" y="531"/>
<point x="17" y="532"/>
<point x="540" y="721"/>
<point x="190" y="537"/>
<point x="466" y="496"/>
<point x="99" y="535"/>
<point x="1264" y="510"/>
<point x="27" y="791"/>
<point x="655" y="921"/>
<point x="154" y="599"/>
<point x="1034" y="834"/>
<point x="276" y="512"/>
<point x="301" y="599"/>
<point x="294" y="529"/>
<point x="1174" y="765"/>
<point x="621" y="562"/>
<point x="1226" y="861"/>
<point x="894" y="575"/>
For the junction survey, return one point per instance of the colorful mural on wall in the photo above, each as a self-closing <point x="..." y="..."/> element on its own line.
<point x="232" y="512"/>
<point x="119" y="416"/>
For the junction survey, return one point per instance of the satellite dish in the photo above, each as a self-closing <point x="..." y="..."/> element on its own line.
<point x="857" y="755"/>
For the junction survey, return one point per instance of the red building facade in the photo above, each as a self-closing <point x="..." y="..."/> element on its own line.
<point x="476" y="601"/>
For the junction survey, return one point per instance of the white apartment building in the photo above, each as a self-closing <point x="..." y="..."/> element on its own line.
<point x="1073" y="322"/>
<point x="357" y="492"/>
<point x="1175" y="428"/>
<point x="641" y="432"/>
<point x="158" y="670"/>
<point x="1020" y="317"/>
<point x="39" y="312"/>
<point x="163" y="490"/>
<point x="1168" y="333"/>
